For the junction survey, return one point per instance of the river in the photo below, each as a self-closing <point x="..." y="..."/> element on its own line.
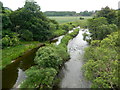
<point x="14" y="73"/>
<point x="72" y="76"/>
<point x="71" y="73"/>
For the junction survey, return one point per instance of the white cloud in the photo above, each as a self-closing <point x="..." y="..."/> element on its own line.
<point x="65" y="5"/>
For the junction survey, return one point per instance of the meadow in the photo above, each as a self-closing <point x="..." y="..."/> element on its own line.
<point x="66" y="19"/>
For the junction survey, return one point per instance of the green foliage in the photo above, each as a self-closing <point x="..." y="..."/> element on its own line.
<point x="99" y="28"/>
<point x="11" y="53"/>
<point x="31" y="18"/>
<point x="87" y="13"/>
<point x="10" y="41"/>
<point x="81" y="18"/>
<point x="39" y="78"/>
<point x="47" y="57"/>
<point x="50" y="57"/>
<point x="58" y="32"/>
<point x="66" y="26"/>
<point x="66" y="39"/>
<point x="67" y="19"/>
<point x="118" y="18"/>
<point x="60" y="13"/>
<point x="102" y="62"/>
<point x="62" y="52"/>
<point x="68" y="13"/>
<point x="26" y="35"/>
<point x="109" y="14"/>
<point x="6" y="22"/>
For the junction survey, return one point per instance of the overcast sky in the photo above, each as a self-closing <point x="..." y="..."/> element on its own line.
<point x="65" y="5"/>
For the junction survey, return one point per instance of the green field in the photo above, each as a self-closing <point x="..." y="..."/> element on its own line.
<point x="65" y="19"/>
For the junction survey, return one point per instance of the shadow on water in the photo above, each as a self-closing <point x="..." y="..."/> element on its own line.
<point x="14" y="73"/>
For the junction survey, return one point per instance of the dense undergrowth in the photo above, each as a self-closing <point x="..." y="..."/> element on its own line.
<point x="48" y="61"/>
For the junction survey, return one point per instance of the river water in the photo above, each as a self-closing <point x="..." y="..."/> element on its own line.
<point x="72" y="76"/>
<point x="14" y="73"/>
<point x="71" y="73"/>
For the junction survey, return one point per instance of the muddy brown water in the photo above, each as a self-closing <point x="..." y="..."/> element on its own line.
<point x="13" y="74"/>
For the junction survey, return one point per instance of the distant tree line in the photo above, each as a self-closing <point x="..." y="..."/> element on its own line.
<point x="60" y="13"/>
<point x="69" y="13"/>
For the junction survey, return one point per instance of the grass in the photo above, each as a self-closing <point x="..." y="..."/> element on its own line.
<point x="66" y="19"/>
<point x="11" y="53"/>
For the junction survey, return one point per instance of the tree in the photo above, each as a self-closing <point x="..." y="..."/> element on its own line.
<point x="99" y="28"/>
<point x="31" y="18"/>
<point x="102" y="62"/>
<point x="108" y="13"/>
<point x="93" y="26"/>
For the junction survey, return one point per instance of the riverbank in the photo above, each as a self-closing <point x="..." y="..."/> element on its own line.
<point x="48" y="60"/>
<point x="9" y="54"/>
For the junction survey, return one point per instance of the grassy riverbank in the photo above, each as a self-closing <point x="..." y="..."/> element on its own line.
<point x="11" y="53"/>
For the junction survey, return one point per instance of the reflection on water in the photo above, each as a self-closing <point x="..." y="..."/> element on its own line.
<point x="72" y="75"/>
<point x="14" y="73"/>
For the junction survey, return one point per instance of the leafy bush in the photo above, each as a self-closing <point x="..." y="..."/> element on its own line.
<point x="47" y="57"/>
<point x="62" y="52"/>
<point x="9" y="41"/>
<point x="67" y="26"/>
<point x="39" y="78"/>
<point x="6" y="41"/>
<point x="66" y="39"/>
<point x="102" y="62"/>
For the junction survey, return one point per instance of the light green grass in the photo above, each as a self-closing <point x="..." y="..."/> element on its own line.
<point x="66" y="19"/>
<point x="11" y="53"/>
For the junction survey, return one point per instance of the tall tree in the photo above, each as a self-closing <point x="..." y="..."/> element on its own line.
<point x="31" y="18"/>
<point x="108" y="13"/>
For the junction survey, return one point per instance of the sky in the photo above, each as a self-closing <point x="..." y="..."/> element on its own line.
<point x="64" y="5"/>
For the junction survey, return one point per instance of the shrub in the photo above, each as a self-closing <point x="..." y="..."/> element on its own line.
<point x="59" y="32"/>
<point x="47" y="57"/>
<point x="39" y="78"/>
<point x="7" y="41"/>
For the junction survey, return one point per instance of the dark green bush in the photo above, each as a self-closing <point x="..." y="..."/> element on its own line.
<point x="39" y="78"/>
<point x="26" y="35"/>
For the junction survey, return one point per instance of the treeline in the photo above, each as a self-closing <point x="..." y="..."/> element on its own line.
<point x="102" y="56"/>
<point x="69" y="13"/>
<point x="60" y="13"/>
<point x="29" y="24"/>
